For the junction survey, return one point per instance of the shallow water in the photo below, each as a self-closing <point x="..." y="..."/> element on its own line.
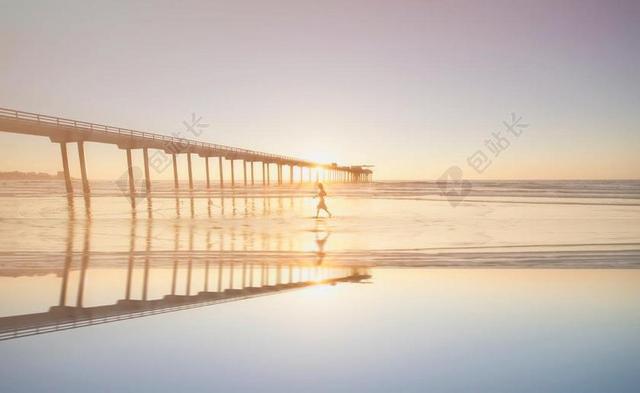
<point x="373" y="224"/>
<point x="408" y="330"/>
<point x="403" y="290"/>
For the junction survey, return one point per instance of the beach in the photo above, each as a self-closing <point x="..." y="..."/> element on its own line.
<point x="400" y="291"/>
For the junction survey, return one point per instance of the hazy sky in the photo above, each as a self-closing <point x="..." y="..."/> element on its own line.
<point x="412" y="87"/>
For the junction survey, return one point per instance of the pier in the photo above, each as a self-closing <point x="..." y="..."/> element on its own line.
<point x="167" y="269"/>
<point x="162" y="149"/>
<point x="256" y="280"/>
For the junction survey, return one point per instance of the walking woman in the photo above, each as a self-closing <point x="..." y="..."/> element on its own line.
<point x="321" y="203"/>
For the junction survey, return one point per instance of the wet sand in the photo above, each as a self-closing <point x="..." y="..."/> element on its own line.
<point x="373" y="224"/>
<point x="408" y="330"/>
<point x="518" y="288"/>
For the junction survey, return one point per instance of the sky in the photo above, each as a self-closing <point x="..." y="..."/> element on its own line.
<point x="412" y="87"/>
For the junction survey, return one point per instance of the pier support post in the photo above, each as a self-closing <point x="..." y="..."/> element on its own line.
<point x="233" y="180"/>
<point x="206" y="164"/>
<point x="290" y="174"/>
<point x="279" y="168"/>
<point x="83" y="272"/>
<point x="268" y="173"/>
<point x="132" y="186"/>
<point x="252" y="183"/>
<point x="174" y="276"/>
<point x="190" y="172"/>
<point x="175" y="171"/>
<point x="147" y="178"/>
<point x="145" y="277"/>
<point x="189" y="274"/>
<point x="83" y="168"/>
<point x="206" y="276"/>
<point x="264" y="179"/>
<point x="221" y="171"/>
<point x="244" y="171"/>
<point x="65" y="167"/>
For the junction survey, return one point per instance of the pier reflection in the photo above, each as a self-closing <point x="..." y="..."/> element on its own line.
<point x="150" y="282"/>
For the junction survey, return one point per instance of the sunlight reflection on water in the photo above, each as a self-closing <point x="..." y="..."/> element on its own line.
<point x="246" y="289"/>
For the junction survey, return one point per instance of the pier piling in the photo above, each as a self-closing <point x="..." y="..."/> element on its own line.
<point x="147" y="178"/>
<point x="65" y="167"/>
<point x="175" y="171"/>
<point x="83" y="168"/>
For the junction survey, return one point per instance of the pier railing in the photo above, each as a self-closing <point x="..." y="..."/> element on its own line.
<point x="102" y="128"/>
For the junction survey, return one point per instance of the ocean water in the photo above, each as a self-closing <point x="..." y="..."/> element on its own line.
<point x="519" y="286"/>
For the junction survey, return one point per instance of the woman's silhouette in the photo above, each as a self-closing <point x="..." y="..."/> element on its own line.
<point x="321" y="203"/>
<point x="320" y="243"/>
